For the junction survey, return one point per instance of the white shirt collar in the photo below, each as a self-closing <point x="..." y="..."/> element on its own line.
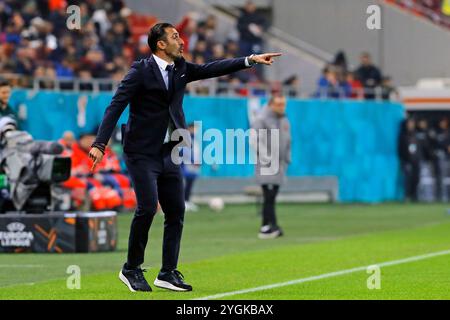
<point x="161" y="63"/>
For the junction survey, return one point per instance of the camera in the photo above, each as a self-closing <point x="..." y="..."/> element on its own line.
<point x="33" y="168"/>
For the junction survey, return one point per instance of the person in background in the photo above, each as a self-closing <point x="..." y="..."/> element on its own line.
<point x="271" y="117"/>
<point x="369" y="76"/>
<point x="410" y="156"/>
<point x="356" y="88"/>
<point x="190" y="169"/>
<point x="329" y="86"/>
<point x="388" y="91"/>
<point x="67" y="140"/>
<point x="5" y="94"/>
<point x="187" y="28"/>
<point x="340" y="66"/>
<point x="103" y="195"/>
<point x="440" y="155"/>
<point x="292" y="85"/>
<point x="427" y="186"/>
<point x="340" y="62"/>
<point x="424" y="139"/>
<point x="251" y="26"/>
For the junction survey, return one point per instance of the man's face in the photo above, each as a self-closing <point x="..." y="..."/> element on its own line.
<point x="423" y="124"/>
<point x="250" y="7"/>
<point x="411" y="125"/>
<point x="68" y="138"/>
<point x="5" y="93"/>
<point x="279" y="105"/>
<point x="172" y="45"/>
<point x="365" y="60"/>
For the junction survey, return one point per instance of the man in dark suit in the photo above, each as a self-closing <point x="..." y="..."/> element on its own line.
<point x="154" y="89"/>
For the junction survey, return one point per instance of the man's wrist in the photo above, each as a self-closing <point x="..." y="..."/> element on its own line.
<point x="250" y="60"/>
<point x="100" y="146"/>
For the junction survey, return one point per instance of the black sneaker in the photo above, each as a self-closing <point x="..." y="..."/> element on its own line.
<point x="134" y="279"/>
<point x="270" y="232"/>
<point x="172" y="280"/>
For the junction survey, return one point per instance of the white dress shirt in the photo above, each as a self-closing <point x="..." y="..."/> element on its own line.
<point x="162" y="64"/>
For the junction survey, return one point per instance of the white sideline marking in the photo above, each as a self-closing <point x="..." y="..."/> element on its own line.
<point x="326" y="275"/>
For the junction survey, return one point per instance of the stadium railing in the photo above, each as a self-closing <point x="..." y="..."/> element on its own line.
<point x="210" y="87"/>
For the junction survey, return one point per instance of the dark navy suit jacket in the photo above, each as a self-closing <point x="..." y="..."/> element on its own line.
<point x="151" y="104"/>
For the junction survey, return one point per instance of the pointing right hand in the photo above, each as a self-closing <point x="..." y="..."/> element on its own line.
<point x="96" y="155"/>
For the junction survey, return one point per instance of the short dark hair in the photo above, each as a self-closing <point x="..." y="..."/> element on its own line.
<point x="157" y="32"/>
<point x="4" y="83"/>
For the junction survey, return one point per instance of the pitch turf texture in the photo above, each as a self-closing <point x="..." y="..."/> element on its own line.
<point x="221" y="254"/>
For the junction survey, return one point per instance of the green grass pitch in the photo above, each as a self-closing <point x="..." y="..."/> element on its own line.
<point x="222" y="254"/>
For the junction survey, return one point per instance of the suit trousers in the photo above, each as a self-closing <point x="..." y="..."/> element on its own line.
<point x="156" y="178"/>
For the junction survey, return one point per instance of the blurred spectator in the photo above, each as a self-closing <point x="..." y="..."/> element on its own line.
<point x="67" y="140"/>
<point x="293" y="84"/>
<point x="5" y="94"/>
<point x="424" y="140"/>
<point x="34" y="41"/>
<point x="106" y="188"/>
<point x="369" y="76"/>
<point x="340" y="64"/>
<point x="440" y="156"/>
<point x="424" y="151"/>
<point x="329" y="86"/>
<point x="410" y="157"/>
<point x="437" y="11"/>
<point x="187" y="28"/>
<point x="356" y="88"/>
<point x="251" y="26"/>
<point x="340" y="60"/>
<point x="388" y="91"/>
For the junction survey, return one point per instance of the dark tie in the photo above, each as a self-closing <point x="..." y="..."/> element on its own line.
<point x="169" y="70"/>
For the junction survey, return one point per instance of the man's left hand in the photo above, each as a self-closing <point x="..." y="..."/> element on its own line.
<point x="265" y="58"/>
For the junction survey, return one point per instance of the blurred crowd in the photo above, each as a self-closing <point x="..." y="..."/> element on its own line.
<point x="107" y="187"/>
<point x="337" y="81"/>
<point x="424" y="152"/>
<point x="35" y="41"/>
<point x="437" y="11"/>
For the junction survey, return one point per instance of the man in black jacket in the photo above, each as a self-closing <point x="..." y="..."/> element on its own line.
<point x="410" y="154"/>
<point x="369" y="76"/>
<point x="251" y="26"/>
<point x="154" y="88"/>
